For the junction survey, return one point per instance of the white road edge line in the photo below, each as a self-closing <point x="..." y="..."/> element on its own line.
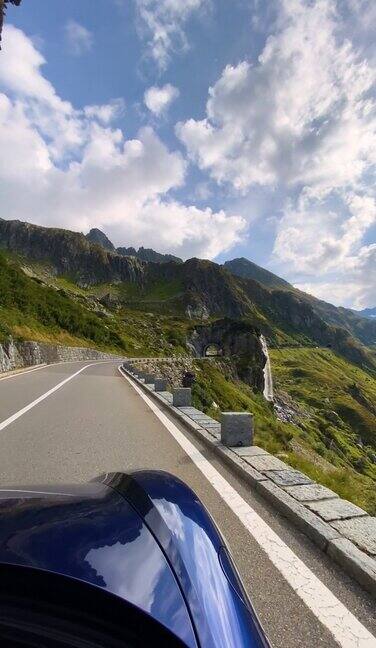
<point x="343" y="625"/>
<point x="41" y="398"/>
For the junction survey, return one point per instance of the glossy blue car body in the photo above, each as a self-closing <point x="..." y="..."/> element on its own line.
<point x="147" y="539"/>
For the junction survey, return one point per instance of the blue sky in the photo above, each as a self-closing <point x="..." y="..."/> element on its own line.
<point x="200" y="127"/>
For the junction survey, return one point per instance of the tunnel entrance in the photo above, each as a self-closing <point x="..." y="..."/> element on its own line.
<point x="212" y="351"/>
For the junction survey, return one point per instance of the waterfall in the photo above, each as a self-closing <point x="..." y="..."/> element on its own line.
<point x="268" y="378"/>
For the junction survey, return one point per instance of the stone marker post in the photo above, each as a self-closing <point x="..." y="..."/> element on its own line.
<point x="181" y="396"/>
<point x="160" y="384"/>
<point x="237" y="428"/>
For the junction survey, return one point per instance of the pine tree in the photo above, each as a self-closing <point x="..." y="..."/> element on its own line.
<point x="3" y="6"/>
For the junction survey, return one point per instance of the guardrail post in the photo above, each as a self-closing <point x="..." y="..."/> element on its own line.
<point x="160" y="384"/>
<point x="181" y="396"/>
<point x="237" y="428"/>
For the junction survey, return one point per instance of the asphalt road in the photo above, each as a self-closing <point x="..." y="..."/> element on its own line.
<point x="96" y="422"/>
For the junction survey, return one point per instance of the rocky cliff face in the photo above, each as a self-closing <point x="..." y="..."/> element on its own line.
<point x="143" y="254"/>
<point x="237" y="340"/>
<point x="70" y="253"/>
<point x="211" y="290"/>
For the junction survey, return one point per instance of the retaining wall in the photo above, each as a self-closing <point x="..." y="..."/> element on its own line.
<point x="16" y="355"/>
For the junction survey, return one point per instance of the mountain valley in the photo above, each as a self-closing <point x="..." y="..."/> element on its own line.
<point x="65" y="287"/>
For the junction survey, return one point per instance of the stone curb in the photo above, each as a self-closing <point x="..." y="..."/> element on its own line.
<point x="345" y="553"/>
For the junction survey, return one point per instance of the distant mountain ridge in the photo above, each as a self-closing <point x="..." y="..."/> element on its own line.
<point x="70" y="253"/>
<point x="352" y="321"/>
<point x="369" y="313"/>
<point x="147" y="254"/>
<point x="98" y="237"/>
<point x="196" y="289"/>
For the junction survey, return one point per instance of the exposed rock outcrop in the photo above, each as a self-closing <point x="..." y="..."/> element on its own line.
<point x="99" y="238"/>
<point x="147" y="254"/>
<point x="70" y="253"/>
<point x="237" y="340"/>
<point x="211" y="290"/>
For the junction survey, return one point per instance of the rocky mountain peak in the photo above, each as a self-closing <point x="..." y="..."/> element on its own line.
<point x="147" y="254"/>
<point x="246" y="269"/>
<point x="97" y="236"/>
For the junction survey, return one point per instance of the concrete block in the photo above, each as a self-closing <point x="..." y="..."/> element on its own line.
<point x="210" y="425"/>
<point x="354" y="562"/>
<point x="183" y="417"/>
<point x="149" y="379"/>
<point x="251" y="451"/>
<point x="288" y="477"/>
<point x="236" y="428"/>
<point x="264" y="463"/>
<point x="310" y="492"/>
<point x="249" y="474"/>
<point x="196" y="416"/>
<point x="160" y="384"/>
<point x="206" y="421"/>
<point x="167" y="396"/>
<point x="361" y="530"/>
<point x="337" y="509"/>
<point x="320" y="532"/>
<point x="181" y="396"/>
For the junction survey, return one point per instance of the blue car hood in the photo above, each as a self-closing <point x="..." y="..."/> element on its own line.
<point x="146" y="538"/>
<point x="93" y="534"/>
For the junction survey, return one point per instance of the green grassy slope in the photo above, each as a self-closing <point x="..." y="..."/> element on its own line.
<point x="302" y="445"/>
<point x="27" y="306"/>
<point x="62" y="313"/>
<point x="340" y="398"/>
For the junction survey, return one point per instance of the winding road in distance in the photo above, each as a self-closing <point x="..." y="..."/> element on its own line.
<point x="70" y="422"/>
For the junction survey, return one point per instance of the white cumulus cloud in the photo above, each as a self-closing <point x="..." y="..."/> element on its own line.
<point x="161" y="24"/>
<point x="300" y="122"/>
<point x="158" y="98"/>
<point x="79" y="38"/>
<point x="324" y="237"/>
<point x="300" y="114"/>
<point x="73" y="168"/>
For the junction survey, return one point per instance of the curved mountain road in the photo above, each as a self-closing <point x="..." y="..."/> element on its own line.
<point x="70" y="422"/>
